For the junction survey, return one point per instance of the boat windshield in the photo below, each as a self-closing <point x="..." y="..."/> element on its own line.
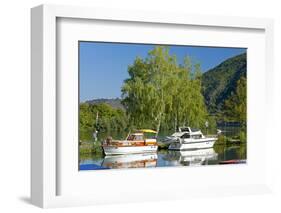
<point x="184" y="129"/>
<point x="186" y="135"/>
<point x="194" y="130"/>
<point x="131" y="137"/>
<point x="135" y="137"/>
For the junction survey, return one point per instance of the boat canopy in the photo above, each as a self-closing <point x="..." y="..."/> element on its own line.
<point x="148" y="131"/>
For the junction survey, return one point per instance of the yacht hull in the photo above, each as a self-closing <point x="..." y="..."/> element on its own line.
<point x="198" y="144"/>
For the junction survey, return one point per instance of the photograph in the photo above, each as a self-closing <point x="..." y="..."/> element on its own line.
<point x="158" y="105"/>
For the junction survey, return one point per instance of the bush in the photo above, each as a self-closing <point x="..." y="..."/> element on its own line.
<point x="221" y="139"/>
<point x="243" y="137"/>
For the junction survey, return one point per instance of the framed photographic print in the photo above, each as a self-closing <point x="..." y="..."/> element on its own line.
<point x="164" y="106"/>
<point x="154" y="106"/>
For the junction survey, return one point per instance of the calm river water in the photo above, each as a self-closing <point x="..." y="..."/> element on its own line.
<point x="219" y="154"/>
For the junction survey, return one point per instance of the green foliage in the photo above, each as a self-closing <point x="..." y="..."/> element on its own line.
<point x="212" y="128"/>
<point x="159" y="92"/>
<point x="220" y="82"/>
<point x="101" y="117"/>
<point x="235" y="107"/>
<point x="113" y="102"/>
<point x="243" y="137"/>
<point x="87" y="147"/>
<point x="222" y="139"/>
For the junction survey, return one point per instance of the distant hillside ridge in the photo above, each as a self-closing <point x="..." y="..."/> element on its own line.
<point x="221" y="81"/>
<point x="113" y="102"/>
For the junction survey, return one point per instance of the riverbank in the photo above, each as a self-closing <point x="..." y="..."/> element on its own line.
<point x="89" y="147"/>
<point x="239" y="139"/>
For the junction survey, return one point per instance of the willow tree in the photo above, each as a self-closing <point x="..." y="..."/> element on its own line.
<point x="159" y="90"/>
<point x="147" y="92"/>
<point x="188" y="102"/>
<point x="198" y="111"/>
<point x="180" y="93"/>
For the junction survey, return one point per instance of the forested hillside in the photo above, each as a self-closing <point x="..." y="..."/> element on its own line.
<point x="220" y="82"/>
<point x="113" y="102"/>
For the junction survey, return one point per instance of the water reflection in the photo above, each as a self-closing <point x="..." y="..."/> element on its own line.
<point x="130" y="161"/>
<point x="164" y="158"/>
<point x="219" y="154"/>
<point x="191" y="157"/>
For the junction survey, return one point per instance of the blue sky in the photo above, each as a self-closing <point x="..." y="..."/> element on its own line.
<point x="103" y="66"/>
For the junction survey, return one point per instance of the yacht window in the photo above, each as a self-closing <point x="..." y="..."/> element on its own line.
<point x="197" y="136"/>
<point x="184" y="129"/>
<point x="185" y="135"/>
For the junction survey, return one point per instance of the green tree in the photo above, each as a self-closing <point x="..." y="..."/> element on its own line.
<point x="146" y="92"/>
<point x="101" y="117"/>
<point x="236" y="105"/>
<point x="159" y="91"/>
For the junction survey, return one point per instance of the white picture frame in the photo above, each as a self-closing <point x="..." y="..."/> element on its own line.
<point x="45" y="178"/>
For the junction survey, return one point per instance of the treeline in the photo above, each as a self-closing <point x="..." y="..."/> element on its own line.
<point x="102" y="118"/>
<point x="235" y="107"/>
<point x="221" y="82"/>
<point x="160" y="93"/>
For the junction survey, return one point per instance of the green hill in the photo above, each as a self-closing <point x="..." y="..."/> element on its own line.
<point x="221" y="81"/>
<point x="113" y="102"/>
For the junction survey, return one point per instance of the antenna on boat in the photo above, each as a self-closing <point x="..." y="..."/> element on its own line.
<point x="96" y="129"/>
<point x="207" y="125"/>
<point x="128" y="134"/>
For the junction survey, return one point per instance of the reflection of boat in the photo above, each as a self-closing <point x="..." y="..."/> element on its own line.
<point x="188" y="138"/>
<point x="135" y="143"/>
<point x="192" y="157"/>
<point x="130" y="161"/>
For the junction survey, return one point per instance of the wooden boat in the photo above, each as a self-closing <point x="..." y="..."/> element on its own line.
<point x="136" y="142"/>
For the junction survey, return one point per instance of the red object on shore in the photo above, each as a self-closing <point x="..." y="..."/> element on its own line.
<point x="232" y="162"/>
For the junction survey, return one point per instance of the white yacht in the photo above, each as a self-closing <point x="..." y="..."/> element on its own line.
<point x="189" y="138"/>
